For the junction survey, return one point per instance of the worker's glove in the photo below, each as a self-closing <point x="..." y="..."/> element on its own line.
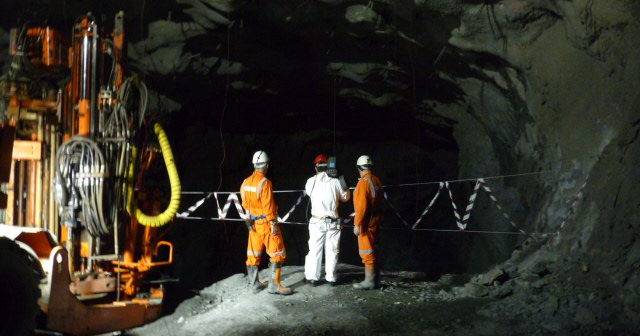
<point x="356" y="230"/>
<point x="249" y="223"/>
<point x="275" y="229"/>
<point x="343" y="183"/>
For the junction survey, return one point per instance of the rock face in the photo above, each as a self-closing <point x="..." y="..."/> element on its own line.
<point x="464" y="89"/>
<point x="558" y="95"/>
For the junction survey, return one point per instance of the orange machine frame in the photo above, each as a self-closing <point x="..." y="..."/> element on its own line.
<point x="70" y="112"/>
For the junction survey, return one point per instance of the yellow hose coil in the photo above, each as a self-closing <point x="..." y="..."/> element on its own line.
<point x="174" y="180"/>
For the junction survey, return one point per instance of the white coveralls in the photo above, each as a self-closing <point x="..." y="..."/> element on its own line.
<point x="324" y="232"/>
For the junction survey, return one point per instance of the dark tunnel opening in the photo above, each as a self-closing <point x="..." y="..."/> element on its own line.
<point x="406" y="150"/>
<point x="292" y="143"/>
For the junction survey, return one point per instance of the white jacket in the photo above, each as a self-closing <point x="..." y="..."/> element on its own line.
<point x="325" y="193"/>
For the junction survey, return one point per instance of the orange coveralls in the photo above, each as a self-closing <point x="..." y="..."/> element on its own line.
<point x="257" y="199"/>
<point x="367" y="199"/>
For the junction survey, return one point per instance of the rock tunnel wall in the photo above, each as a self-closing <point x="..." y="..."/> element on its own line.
<point x="565" y="90"/>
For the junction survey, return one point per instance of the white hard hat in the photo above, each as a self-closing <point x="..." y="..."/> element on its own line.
<point x="260" y="159"/>
<point x="364" y="160"/>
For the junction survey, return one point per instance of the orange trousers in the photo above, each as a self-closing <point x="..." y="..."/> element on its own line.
<point x="367" y="243"/>
<point x="261" y="237"/>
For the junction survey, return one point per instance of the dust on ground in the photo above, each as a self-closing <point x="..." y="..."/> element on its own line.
<point x="405" y="304"/>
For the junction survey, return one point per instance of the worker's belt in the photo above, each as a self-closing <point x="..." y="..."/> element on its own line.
<point x="329" y="221"/>
<point x="255" y="218"/>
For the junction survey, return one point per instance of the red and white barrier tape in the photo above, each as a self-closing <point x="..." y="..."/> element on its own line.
<point x="428" y="208"/>
<point x="461" y="221"/>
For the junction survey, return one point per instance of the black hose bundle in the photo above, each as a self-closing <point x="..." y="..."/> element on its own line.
<point x="82" y="171"/>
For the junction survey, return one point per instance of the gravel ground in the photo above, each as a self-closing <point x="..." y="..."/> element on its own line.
<point x="405" y="304"/>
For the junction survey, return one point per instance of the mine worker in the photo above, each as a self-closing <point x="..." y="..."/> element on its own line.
<point x="325" y="193"/>
<point x="264" y="230"/>
<point x="367" y="199"/>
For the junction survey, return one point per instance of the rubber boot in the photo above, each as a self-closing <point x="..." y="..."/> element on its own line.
<point x="254" y="282"/>
<point x="369" y="281"/>
<point x="275" y="286"/>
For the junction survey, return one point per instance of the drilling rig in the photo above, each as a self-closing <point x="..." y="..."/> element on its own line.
<point x="81" y="229"/>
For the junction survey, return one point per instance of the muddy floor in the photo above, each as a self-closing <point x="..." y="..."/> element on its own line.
<point x="405" y="304"/>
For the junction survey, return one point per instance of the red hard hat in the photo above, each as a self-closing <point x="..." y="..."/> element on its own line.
<point x="320" y="159"/>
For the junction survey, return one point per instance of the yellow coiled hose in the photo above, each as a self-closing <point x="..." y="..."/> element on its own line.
<point x="174" y="180"/>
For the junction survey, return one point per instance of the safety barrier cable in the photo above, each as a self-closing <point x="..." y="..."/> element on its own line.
<point x="462" y="219"/>
<point x="414" y="184"/>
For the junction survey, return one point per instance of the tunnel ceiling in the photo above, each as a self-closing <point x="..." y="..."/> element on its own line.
<point x="377" y="54"/>
<point x="297" y="60"/>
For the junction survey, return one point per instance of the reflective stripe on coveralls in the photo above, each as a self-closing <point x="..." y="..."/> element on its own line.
<point x="261" y="237"/>
<point x="257" y="198"/>
<point x="366" y="203"/>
